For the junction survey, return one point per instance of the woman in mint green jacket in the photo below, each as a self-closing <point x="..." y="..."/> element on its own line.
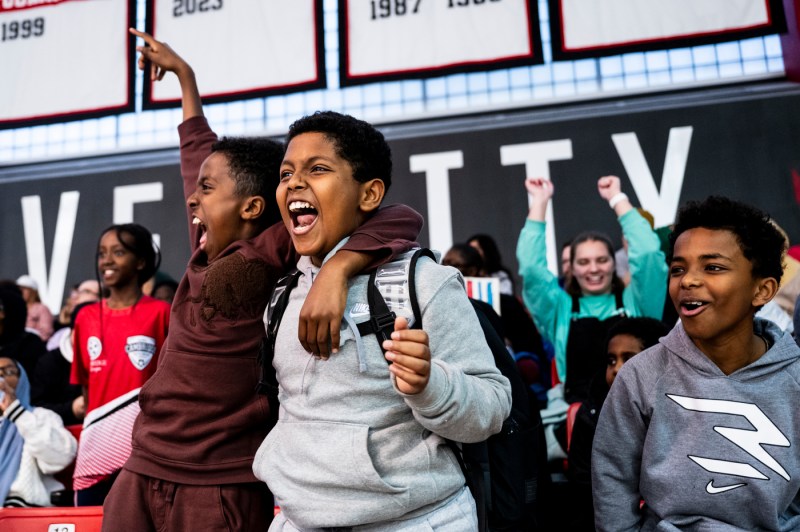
<point x="575" y="319"/>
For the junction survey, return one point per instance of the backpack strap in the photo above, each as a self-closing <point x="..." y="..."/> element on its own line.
<point x="278" y="301"/>
<point x="381" y="321"/>
<point x="620" y="305"/>
<point x="412" y="284"/>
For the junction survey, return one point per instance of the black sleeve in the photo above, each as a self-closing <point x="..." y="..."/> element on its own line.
<point x="51" y="389"/>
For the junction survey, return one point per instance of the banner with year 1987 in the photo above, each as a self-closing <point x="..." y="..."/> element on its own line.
<point x="64" y="60"/>
<point x="399" y="39"/>
<point x="239" y="48"/>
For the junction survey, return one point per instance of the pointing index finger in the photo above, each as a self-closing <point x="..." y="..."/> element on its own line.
<point x="149" y="39"/>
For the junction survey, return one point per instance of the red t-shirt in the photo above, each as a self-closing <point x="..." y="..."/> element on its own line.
<point x="118" y="353"/>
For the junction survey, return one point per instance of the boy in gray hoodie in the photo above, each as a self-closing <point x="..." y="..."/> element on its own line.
<point x="360" y="441"/>
<point x="703" y="427"/>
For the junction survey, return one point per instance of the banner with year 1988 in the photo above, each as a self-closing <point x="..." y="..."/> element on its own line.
<point x="64" y="60"/>
<point x="399" y="39"/>
<point x="239" y="48"/>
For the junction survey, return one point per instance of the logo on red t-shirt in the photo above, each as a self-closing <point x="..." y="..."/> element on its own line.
<point x="140" y="350"/>
<point x="94" y="346"/>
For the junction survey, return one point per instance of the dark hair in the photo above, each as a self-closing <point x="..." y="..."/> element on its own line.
<point x="16" y="312"/>
<point x="74" y="315"/>
<point x="138" y="240"/>
<point x="470" y="258"/>
<point x="573" y="288"/>
<point x="492" y="260"/>
<point x="355" y="141"/>
<point x="646" y="330"/>
<point x="172" y="283"/>
<point x="254" y="164"/>
<point x="761" y="242"/>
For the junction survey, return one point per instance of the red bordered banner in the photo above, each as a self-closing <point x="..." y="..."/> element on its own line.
<point x="383" y="40"/>
<point x="65" y="60"/>
<point x="6" y="6"/>
<point x="239" y="48"/>
<point x="582" y="29"/>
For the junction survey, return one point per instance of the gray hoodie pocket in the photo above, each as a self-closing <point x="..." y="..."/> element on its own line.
<point x="323" y="462"/>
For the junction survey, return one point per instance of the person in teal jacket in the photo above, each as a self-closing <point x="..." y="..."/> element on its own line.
<point x="576" y="319"/>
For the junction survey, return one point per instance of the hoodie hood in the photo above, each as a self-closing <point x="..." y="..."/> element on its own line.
<point x="782" y="352"/>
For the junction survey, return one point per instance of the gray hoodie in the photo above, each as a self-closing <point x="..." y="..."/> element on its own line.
<point x="705" y="451"/>
<point x="349" y="448"/>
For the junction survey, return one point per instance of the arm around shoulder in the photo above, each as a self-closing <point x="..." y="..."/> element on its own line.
<point x="390" y="231"/>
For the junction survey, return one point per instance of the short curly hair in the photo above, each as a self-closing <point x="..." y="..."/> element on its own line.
<point x="254" y="164"/>
<point x="354" y="140"/>
<point x="762" y="244"/>
<point x="646" y="330"/>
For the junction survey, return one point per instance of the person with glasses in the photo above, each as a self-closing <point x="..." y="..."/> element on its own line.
<point x="34" y="445"/>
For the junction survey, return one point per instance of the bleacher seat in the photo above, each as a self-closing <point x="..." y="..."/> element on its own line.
<point x="84" y="519"/>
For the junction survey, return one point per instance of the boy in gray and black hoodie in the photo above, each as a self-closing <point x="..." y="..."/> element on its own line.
<point x="703" y="426"/>
<point x="361" y="443"/>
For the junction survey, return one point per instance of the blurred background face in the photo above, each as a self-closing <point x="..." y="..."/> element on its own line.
<point x="10" y="372"/>
<point x="477" y="245"/>
<point x="593" y="267"/>
<point x="87" y="291"/>
<point x="621" y="348"/>
<point x="28" y="294"/>
<point x="566" y="260"/>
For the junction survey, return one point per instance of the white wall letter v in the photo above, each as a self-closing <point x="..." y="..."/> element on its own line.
<point x="662" y="206"/>
<point x="51" y="287"/>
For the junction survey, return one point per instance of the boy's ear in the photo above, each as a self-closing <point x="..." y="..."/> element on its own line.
<point x="765" y="290"/>
<point x="253" y="207"/>
<point x="372" y="193"/>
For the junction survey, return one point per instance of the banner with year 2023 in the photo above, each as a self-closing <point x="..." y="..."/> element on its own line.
<point x="238" y="48"/>
<point x="64" y="60"/>
<point x="382" y="40"/>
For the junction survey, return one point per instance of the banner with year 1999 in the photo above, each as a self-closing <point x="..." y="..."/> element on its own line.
<point x="239" y="48"/>
<point x="64" y="60"/>
<point x="399" y="39"/>
<point x="591" y="29"/>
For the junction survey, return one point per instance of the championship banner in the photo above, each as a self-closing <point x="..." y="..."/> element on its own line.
<point x="65" y="60"/>
<point x="591" y="29"/>
<point x="238" y="48"/>
<point x="383" y="40"/>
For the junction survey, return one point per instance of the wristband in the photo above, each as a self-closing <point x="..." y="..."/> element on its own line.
<point x="616" y="198"/>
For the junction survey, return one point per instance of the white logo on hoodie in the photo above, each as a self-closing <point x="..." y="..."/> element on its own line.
<point x="750" y="441"/>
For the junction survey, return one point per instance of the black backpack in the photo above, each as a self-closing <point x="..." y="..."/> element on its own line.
<point x="501" y="472"/>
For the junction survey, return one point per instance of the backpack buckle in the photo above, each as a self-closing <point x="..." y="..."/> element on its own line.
<point x="379" y="323"/>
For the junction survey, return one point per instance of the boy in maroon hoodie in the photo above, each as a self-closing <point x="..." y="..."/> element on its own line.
<point x="201" y="420"/>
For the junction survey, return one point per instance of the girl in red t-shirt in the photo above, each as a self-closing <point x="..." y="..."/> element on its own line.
<point x="116" y="342"/>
